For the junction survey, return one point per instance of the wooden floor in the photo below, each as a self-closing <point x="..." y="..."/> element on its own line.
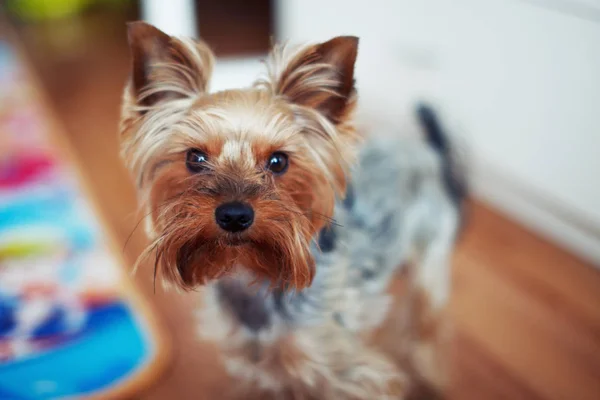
<point x="527" y="313"/>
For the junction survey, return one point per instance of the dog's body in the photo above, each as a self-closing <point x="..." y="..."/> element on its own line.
<point x="402" y="209"/>
<point x="240" y="189"/>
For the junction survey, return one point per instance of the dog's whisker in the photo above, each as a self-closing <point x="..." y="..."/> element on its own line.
<point x="156" y="260"/>
<point x="157" y="208"/>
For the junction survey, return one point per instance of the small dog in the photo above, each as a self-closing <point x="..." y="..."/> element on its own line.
<point x="256" y="195"/>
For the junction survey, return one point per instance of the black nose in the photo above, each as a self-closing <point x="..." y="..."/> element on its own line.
<point x="234" y="217"/>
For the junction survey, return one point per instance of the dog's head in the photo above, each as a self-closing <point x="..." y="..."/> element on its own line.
<point x="238" y="178"/>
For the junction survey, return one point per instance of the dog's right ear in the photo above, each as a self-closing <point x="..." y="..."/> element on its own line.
<point x="166" y="68"/>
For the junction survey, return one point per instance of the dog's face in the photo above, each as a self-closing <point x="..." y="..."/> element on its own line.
<point x="239" y="178"/>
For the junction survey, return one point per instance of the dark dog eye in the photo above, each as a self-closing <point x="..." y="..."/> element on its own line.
<point x="278" y="162"/>
<point x="195" y="160"/>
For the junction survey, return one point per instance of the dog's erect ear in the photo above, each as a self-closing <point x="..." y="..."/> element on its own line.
<point x="164" y="67"/>
<point x="321" y="77"/>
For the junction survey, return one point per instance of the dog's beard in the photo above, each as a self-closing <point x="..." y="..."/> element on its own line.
<point x="191" y="251"/>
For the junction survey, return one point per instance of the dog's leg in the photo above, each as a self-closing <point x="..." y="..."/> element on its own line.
<point x="336" y="364"/>
<point x="430" y="294"/>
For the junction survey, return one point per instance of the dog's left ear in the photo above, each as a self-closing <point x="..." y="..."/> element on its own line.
<point x="321" y="77"/>
<point x="165" y="68"/>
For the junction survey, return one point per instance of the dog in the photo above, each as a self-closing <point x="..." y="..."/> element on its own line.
<point x="292" y="221"/>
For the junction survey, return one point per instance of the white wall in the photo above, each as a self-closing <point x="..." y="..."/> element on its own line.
<point x="520" y="80"/>
<point x="178" y="18"/>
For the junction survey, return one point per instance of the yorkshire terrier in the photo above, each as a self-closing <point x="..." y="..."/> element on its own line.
<point x="295" y="227"/>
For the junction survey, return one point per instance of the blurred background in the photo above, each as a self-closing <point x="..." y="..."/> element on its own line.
<point x="517" y="81"/>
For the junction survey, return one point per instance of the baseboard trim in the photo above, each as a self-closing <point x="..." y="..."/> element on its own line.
<point x="551" y="219"/>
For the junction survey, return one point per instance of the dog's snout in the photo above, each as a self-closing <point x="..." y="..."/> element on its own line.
<point x="235" y="216"/>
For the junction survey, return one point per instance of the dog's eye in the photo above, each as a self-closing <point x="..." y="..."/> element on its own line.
<point x="278" y="163"/>
<point x="195" y="160"/>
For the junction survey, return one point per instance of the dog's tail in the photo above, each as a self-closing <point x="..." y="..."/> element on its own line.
<point x="452" y="171"/>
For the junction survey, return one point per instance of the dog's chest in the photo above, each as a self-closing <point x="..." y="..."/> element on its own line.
<point x="255" y="307"/>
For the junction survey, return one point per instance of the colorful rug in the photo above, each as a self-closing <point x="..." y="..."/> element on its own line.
<point x="67" y="324"/>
